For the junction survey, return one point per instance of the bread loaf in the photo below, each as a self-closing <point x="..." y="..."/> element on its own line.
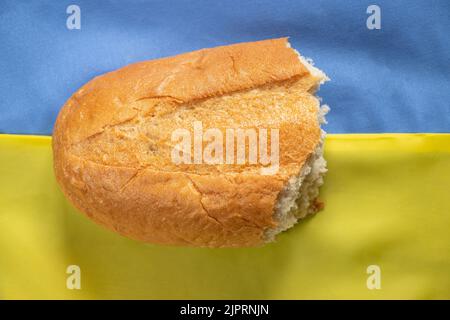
<point x="118" y="155"/>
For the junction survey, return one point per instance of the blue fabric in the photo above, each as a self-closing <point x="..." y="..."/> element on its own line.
<point x="396" y="79"/>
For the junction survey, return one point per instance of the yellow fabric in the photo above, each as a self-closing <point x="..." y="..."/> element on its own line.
<point x="387" y="204"/>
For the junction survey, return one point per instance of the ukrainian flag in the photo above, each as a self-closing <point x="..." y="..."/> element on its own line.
<point x="384" y="232"/>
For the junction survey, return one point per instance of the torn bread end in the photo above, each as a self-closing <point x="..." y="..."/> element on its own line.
<point x="309" y="64"/>
<point x="299" y="198"/>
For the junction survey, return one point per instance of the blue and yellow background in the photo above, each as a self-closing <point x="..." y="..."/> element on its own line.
<point x="386" y="194"/>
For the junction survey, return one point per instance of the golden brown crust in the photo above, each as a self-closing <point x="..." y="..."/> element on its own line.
<point x="101" y="137"/>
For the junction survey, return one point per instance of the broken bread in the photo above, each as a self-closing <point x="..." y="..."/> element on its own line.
<point x="219" y="147"/>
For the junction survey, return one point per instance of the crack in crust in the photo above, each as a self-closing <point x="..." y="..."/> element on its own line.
<point x="200" y="195"/>
<point x="175" y="99"/>
<point x="133" y="177"/>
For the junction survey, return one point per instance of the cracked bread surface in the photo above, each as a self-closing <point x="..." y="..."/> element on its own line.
<point x="112" y="143"/>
